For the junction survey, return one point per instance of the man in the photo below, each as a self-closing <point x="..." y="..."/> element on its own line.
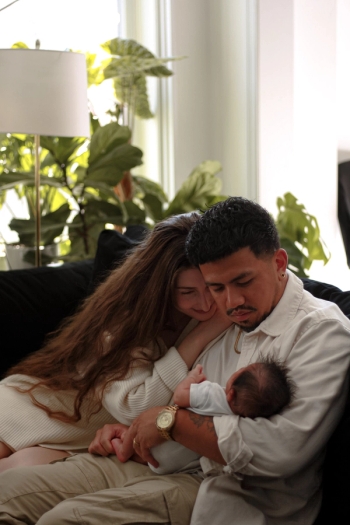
<point x="255" y="471"/>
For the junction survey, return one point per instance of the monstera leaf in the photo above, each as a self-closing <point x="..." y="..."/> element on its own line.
<point x="300" y="235"/>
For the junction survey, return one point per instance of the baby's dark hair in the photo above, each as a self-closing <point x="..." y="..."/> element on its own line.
<point x="266" y="391"/>
<point x="229" y="226"/>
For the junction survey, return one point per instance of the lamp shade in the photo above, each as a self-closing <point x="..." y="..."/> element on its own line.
<point x="43" y="93"/>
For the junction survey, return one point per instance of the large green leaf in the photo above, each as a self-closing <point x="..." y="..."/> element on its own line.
<point x="144" y="186"/>
<point x="12" y="179"/>
<point x="121" y="158"/>
<point x="62" y="148"/>
<point x="107" y="138"/>
<point x="134" y="93"/>
<point x="129" y="65"/>
<point x="296" y="226"/>
<point x="52" y="226"/>
<point x="198" y="191"/>
<point x="153" y="207"/>
<point x="134" y="213"/>
<point x="152" y="196"/>
<point x="84" y="236"/>
<point x="109" y="175"/>
<point x="119" y="47"/>
<point x="105" y="187"/>
<point x="298" y="262"/>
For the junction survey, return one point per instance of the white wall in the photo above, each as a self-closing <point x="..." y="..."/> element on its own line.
<point x="343" y="79"/>
<point x="213" y="96"/>
<point x="297" y="116"/>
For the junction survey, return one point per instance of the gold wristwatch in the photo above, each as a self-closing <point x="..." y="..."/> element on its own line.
<point x="166" y="420"/>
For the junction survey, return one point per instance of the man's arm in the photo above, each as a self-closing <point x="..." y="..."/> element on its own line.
<point x="191" y="430"/>
<point x="282" y="445"/>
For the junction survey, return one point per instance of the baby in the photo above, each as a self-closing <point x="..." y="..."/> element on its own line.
<point x="261" y="389"/>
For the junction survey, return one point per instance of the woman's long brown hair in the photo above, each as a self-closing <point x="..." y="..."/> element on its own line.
<point x="128" y="310"/>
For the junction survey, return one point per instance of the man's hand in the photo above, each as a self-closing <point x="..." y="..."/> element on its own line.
<point x="143" y="435"/>
<point x="102" y="442"/>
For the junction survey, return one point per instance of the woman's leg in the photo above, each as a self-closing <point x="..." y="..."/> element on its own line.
<point x="31" y="456"/>
<point x="5" y="451"/>
<point x="127" y="489"/>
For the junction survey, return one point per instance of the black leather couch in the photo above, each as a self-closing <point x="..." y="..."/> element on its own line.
<point x="34" y="302"/>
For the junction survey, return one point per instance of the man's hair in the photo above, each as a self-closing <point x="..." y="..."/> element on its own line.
<point x="229" y="226"/>
<point x="266" y="391"/>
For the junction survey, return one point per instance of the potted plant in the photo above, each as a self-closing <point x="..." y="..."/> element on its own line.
<point x="79" y="177"/>
<point x="77" y="182"/>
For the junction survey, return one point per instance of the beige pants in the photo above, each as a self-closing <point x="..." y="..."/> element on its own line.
<point x="93" y="490"/>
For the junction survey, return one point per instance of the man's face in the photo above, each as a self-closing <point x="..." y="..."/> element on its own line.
<point x="245" y="287"/>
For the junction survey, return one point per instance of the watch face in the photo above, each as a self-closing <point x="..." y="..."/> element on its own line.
<point x="165" y="419"/>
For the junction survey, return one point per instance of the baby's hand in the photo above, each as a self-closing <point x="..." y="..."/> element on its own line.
<point x="117" y="444"/>
<point x="197" y="374"/>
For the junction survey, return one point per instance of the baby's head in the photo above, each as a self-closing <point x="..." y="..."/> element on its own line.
<point x="261" y="389"/>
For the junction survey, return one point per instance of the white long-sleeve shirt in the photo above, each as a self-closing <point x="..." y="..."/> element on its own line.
<point x="282" y="456"/>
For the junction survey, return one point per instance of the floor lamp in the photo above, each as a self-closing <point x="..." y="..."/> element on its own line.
<point x="43" y="93"/>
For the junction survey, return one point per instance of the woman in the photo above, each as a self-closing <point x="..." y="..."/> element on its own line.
<point x="110" y="361"/>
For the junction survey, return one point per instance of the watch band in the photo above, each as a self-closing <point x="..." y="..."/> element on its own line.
<point x="165" y="433"/>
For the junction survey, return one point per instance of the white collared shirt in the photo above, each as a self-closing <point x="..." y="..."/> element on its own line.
<point x="283" y="455"/>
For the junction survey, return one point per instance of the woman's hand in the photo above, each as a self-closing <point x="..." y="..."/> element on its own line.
<point x="102" y="442"/>
<point x="195" y="342"/>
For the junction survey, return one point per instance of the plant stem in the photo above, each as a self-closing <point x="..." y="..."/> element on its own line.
<point x="81" y="211"/>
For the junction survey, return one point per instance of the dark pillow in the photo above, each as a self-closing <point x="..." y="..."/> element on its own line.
<point x="34" y="301"/>
<point x="329" y="292"/>
<point x="112" y="248"/>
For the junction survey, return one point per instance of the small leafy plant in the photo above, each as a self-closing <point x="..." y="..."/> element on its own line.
<point x="300" y="235"/>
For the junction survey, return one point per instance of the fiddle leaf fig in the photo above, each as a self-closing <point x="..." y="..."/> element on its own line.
<point x="51" y="226"/>
<point x="106" y="138"/>
<point x="62" y="148"/>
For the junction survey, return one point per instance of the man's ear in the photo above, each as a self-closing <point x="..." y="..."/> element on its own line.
<point x="281" y="259"/>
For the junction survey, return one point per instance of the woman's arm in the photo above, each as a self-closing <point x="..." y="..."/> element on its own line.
<point x="154" y="384"/>
<point x="145" y="386"/>
<point x="195" y="342"/>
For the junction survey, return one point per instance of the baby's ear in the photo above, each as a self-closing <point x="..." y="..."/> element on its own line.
<point x="231" y="395"/>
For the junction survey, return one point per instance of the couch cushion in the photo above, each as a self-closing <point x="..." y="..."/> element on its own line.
<point x="112" y="248"/>
<point x="34" y="301"/>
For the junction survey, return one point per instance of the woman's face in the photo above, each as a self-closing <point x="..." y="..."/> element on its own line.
<point x="192" y="296"/>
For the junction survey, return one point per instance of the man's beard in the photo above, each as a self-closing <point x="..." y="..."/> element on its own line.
<point x="251" y="328"/>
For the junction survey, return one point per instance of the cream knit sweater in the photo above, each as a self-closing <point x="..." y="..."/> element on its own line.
<point x="23" y="424"/>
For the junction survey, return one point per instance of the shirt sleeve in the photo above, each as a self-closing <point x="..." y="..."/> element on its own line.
<point x="207" y="398"/>
<point x="145" y="387"/>
<point x="285" y="443"/>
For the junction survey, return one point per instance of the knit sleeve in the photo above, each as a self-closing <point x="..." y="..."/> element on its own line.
<point x="145" y="386"/>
